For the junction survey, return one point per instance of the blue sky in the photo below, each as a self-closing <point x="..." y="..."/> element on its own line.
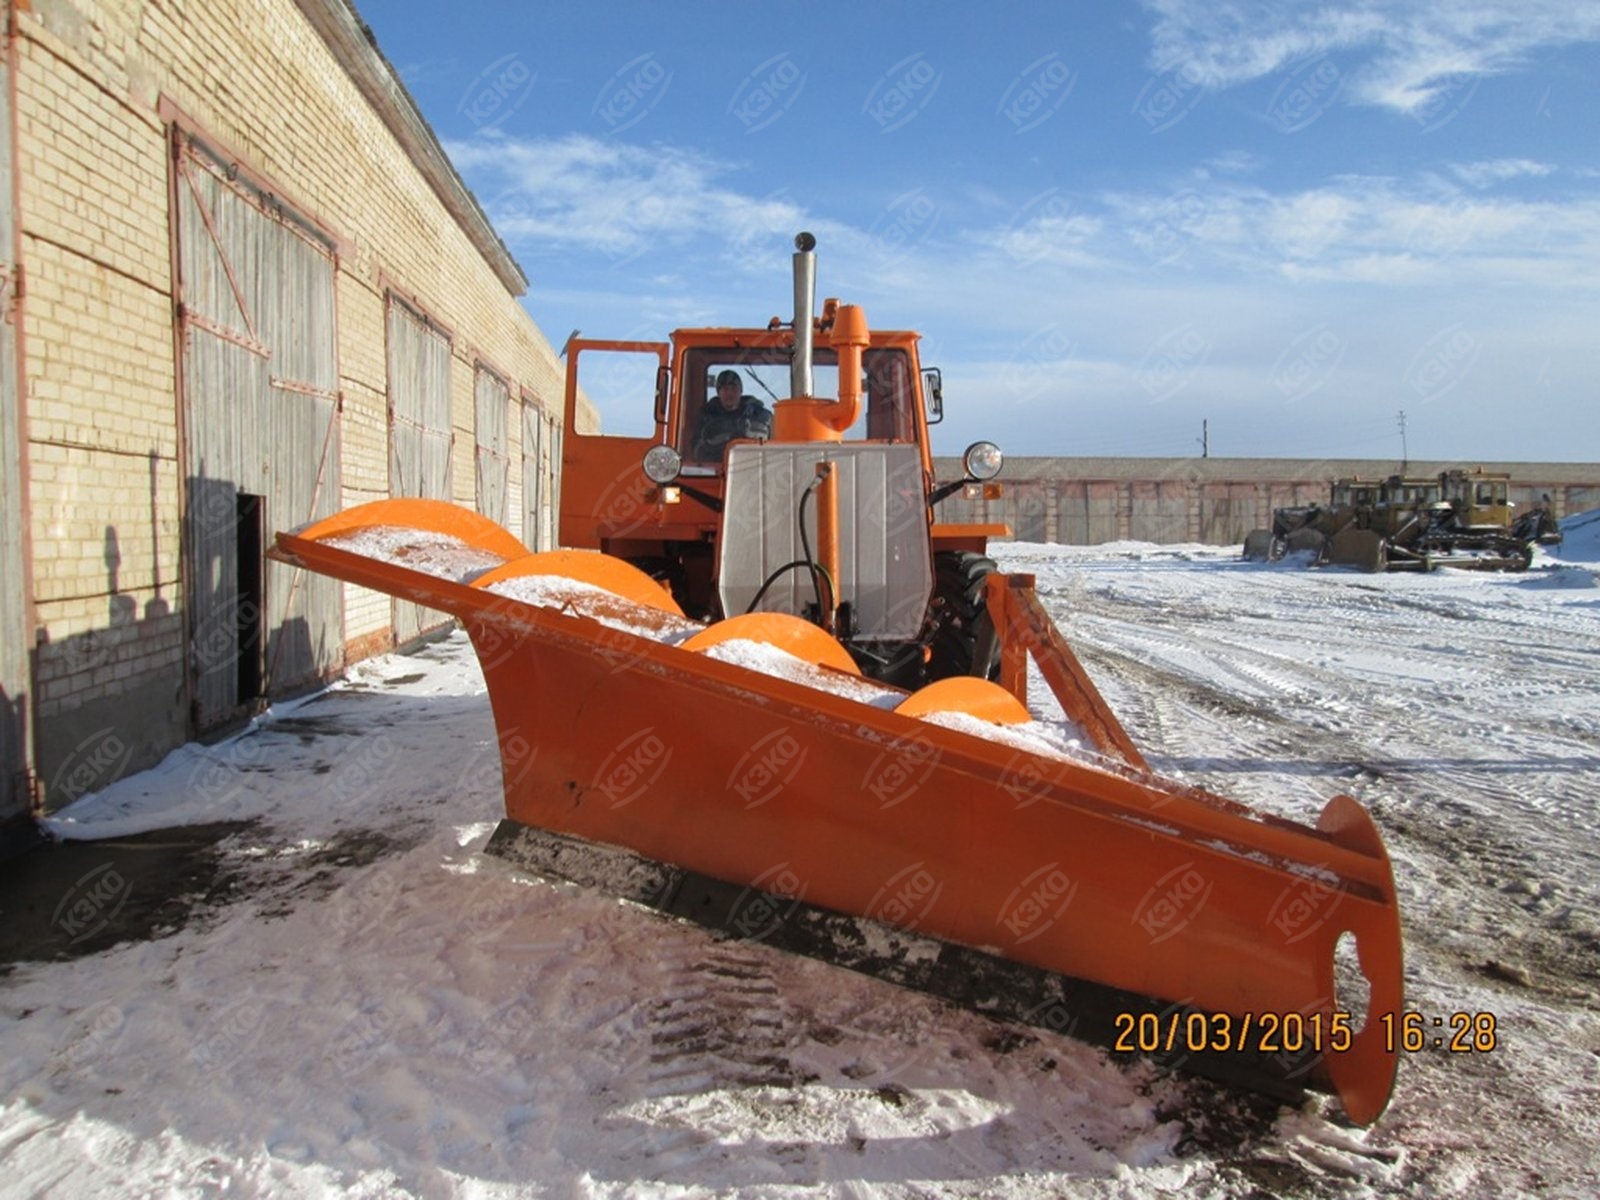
<point x="1110" y="222"/>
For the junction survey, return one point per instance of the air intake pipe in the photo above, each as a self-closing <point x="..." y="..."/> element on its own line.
<point x="805" y="303"/>
<point x="803" y="417"/>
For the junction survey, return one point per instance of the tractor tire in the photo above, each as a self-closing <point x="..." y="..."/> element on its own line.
<point x="669" y="574"/>
<point x="959" y="578"/>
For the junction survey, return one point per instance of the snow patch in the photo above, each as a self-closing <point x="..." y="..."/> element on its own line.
<point x="438" y="554"/>
<point x="1062" y="740"/>
<point x="587" y="600"/>
<point x="1562" y="577"/>
<point x="780" y="664"/>
<point x="1580" y="538"/>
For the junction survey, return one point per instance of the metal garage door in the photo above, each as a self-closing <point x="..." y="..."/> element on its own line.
<point x="541" y="457"/>
<point x="493" y="404"/>
<point x="419" y="429"/>
<point x="261" y="433"/>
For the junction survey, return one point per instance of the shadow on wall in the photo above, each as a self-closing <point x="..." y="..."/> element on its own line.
<point x="111" y="697"/>
<point x="109" y="700"/>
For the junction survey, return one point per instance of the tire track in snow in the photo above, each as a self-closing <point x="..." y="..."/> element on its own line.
<point x="1316" y="674"/>
<point x="721" y="1020"/>
<point x="694" y="1052"/>
<point x="1447" y="746"/>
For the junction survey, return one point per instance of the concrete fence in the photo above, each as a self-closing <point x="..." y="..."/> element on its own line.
<point x="1085" y="501"/>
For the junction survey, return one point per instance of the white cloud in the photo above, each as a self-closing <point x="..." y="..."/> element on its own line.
<point x="1366" y="229"/>
<point x="654" y="209"/>
<point x="1234" y="162"/>
<point x="584" y="192"/>
<point x="1065" y="239"/>
<point x="1484" y="174"/>
<point x="1421" y="56"/>
<point x="1044" y="314"/>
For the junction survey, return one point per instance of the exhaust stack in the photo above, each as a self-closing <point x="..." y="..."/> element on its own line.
<point x="805" y="303"/>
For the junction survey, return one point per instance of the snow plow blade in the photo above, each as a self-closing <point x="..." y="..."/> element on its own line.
<point x="747" y="778"/>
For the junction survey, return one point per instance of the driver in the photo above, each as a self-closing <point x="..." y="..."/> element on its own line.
<point x="727" y="415"/>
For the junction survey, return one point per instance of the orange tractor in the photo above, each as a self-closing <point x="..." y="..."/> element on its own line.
<point x="765" y="690"/>
<point x="828" y="520"/>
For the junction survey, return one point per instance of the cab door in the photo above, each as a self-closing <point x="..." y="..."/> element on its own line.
<point x="605" y="496"/>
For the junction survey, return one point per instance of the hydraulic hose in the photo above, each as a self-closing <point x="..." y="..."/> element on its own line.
<point x="817" y="571"/>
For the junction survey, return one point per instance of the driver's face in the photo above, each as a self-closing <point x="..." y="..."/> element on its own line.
<point x="728" y="395"/>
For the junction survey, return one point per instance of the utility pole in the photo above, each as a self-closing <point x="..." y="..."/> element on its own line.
<point x="1405" y="457"/>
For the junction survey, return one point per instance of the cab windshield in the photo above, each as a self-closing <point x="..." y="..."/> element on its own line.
<point x="886" y="384"/>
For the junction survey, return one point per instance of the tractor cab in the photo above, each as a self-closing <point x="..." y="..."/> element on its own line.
<point x="1354" y="492"/>
<point x="891" y="401"/>
<point x="1480" y="499"/>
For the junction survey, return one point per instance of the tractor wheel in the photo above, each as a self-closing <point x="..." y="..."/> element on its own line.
<point x="963" y="617"/>
<point x="668" y="573"/>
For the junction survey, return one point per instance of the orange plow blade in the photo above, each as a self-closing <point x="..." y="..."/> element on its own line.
<point x="745" y="761"/>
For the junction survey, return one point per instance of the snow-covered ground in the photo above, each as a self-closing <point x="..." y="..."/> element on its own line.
<point x="381" y="1010"/>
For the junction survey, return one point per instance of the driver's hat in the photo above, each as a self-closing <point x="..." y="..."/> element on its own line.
<point x="726" y="377"/>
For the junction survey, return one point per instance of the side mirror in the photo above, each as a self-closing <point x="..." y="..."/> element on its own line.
<point x="663" y="390"/>
<point x="933" y="388"/>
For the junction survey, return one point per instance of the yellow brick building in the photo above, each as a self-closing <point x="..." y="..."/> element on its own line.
<point x="243" y="288"/>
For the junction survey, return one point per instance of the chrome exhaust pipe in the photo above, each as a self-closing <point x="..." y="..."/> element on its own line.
<point x="805" y="303"/>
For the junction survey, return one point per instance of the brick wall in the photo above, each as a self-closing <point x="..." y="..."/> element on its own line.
<point x="1217" y="501"/>
<point x="254" y="78"/>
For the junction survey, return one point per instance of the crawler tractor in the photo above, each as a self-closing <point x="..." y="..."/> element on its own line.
<point x="1475" y="518"/>
<point x="1457" y="518"/>
<point x="765" y="690"/>
<point x="1307" y="529"/>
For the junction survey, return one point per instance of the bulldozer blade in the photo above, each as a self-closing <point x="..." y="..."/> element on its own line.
<point x="1258" y="545"/>
<point x="802" y="781"/>
<point x="1359" y="548"/>
<point x="1311" y="542"/>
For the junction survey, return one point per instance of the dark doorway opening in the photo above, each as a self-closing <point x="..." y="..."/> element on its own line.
<point x="252" y="608"/>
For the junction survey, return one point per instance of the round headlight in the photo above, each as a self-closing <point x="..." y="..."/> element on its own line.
<point x="662" y="464"/>
<point x="982" y="460"/>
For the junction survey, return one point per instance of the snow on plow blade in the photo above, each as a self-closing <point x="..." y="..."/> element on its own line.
<point x="743" y="775"/>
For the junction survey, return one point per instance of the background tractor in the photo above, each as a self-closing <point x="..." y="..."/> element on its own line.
<point x="1458" y="518"/>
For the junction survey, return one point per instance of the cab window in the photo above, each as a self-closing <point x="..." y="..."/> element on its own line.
<point x="887" y="387"/>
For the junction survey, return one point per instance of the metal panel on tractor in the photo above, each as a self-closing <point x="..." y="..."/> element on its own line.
<point x="886" y="562"/>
